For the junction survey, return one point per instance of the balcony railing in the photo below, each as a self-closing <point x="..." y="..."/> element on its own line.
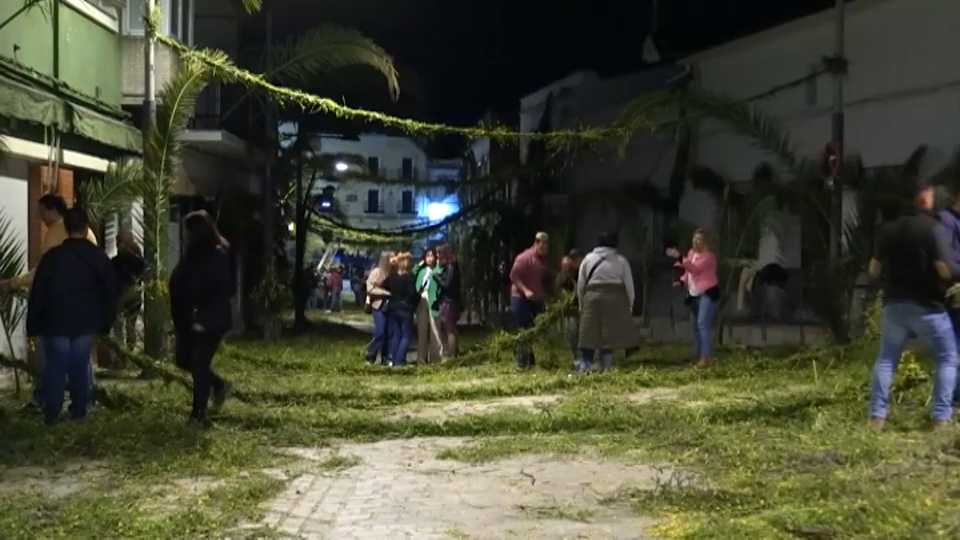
<point x="219" y="107"/>
<point x="408" y="208"/>
<point x="371" y="208"/>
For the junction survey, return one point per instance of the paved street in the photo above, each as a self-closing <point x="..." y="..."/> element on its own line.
<point x="401" y="490"/>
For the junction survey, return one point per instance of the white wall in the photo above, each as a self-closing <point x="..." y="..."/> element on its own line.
<point x="391" y="151"/>
<point x="902" y="89"/>
<point x="14" y="205"/>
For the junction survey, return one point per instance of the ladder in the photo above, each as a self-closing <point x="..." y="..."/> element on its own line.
<point x="327" y="258"/>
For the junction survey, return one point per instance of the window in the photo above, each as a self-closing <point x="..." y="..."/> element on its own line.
<point x="134" y="15"/>
<point x="177" y="18"/>
<point x="373" y="165"/>
<point x="373" y="202"/>
<point x="406" y="202"/>
<point x="406" y="172"/>
<point x="351" y="197"/>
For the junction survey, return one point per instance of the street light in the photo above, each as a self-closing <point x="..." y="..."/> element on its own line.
<point x="341" y="166"/>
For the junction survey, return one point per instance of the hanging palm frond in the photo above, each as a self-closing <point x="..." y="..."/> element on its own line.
<point x="113" y="193"/>
<point x="301" y="58"/>
<point x="176" y="104"/>
<point x="252" y="6"/>
<point x="13" y="307"/>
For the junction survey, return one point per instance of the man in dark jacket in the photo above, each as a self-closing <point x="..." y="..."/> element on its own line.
<point x="916" y="267"/>
<point x="73" y="299"/>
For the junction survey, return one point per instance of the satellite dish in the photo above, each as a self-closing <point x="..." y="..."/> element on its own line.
<point x="650" y="53"/>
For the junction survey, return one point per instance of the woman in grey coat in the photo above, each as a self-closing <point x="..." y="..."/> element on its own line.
<point x="606" y="294"/>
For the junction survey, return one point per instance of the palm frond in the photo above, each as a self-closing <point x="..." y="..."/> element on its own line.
<point x="748" y="120"/>
<point x="12" y="259"/>
<point x="301" y="58"/>
<point x="176" y="104"/>
<point x="252" y="6"/>
<point x="113" y="193"/>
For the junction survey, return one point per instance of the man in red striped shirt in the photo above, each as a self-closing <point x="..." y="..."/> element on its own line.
<point x="528" y="291"/>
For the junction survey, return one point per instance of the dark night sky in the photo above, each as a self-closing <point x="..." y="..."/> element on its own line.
<point x="463" y="57"/>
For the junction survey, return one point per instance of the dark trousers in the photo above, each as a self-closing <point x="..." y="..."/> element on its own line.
<point x="525" y="313"/>
<point x="380" y="344"/>
<point x="401" y="334"/>
<point x="195" y="351"/>
<point x="66" y="361"/>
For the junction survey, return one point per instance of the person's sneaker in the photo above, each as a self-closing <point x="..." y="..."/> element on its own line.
<point x="31" y="407"/>
<point x="941" y="425"/>
<point x="876" y="424"/>
<point x="220" y="397"/>
<point x="199" y="424"/>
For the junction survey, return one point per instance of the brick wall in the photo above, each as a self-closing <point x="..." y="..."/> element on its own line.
<point x="41" y="181"/>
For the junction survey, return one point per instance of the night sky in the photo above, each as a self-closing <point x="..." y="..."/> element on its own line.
<point x="458" y="59"/>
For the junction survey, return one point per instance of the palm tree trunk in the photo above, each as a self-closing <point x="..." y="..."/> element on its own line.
<point x="300" y="248"/>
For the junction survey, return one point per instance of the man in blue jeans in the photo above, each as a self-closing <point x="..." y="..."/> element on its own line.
<point x="73" y="298"/>
<point x="529" y="279"/>
<point x="915" y="266"/>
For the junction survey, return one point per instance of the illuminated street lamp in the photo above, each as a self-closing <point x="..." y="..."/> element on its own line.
<point x="341" y="166"/>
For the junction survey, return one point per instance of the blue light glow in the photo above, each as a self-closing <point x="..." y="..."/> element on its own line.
<point x="439" y="211"/>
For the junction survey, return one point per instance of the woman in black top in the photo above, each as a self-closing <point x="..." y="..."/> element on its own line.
<point x="129" y="266"/>
<point x="449" y="298"/>
<point x="400" y="309"/>
<point x="567" y="281"/>
<point x="201" y="287"/>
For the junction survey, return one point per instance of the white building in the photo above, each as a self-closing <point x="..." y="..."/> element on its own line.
<point x="585" y="98"/>
<point x="900" y="91"/>
<point x="401" y="161"/>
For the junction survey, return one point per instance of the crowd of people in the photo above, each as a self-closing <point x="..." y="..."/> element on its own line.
<point x="601" y="318"/>
<point x="403" y="296"/>
<point x="76" y="293"/>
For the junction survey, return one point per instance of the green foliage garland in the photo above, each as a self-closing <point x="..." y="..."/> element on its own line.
<point x="502" y="341"/>
<point x="316" y="104"/>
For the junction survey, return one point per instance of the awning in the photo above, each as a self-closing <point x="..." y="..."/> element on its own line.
<point x="28" y="104"/>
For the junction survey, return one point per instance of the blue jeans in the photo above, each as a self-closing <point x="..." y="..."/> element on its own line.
<point x="587" y="356"/>
<point x="336" y="301"/>
<point x="380" y="344"/>
<point x="900" y="321"/>
<point x="955" y="321"/>
<point x="703" y="311"/>
<point x="38" y="383"/>
<point x="401" y="334"/>
<point x="525" y="312"/>
<point x="66" y="360"/>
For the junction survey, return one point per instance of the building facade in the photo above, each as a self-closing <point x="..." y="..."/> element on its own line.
<point x="395" y="200"/>
<point x="61" y="119"/>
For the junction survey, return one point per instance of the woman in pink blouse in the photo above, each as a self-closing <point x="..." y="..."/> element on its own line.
<point x="699" y="268"/>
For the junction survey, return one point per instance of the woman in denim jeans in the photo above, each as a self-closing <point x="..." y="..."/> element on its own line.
<point x="703" y="292"/>
<point x="377" y="300"/>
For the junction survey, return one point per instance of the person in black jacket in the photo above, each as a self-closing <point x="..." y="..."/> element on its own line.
<point x="73" y="299"/>
<point x="129" y="266"/>
<point x="400" y="309"/>
<point x="201" y="288"/>
<point x="449" y="298"/>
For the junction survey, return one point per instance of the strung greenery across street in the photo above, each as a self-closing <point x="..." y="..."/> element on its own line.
<point x="763" y="446"/>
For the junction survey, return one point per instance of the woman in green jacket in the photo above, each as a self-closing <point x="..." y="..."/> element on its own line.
<point x="428" y="314"/>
